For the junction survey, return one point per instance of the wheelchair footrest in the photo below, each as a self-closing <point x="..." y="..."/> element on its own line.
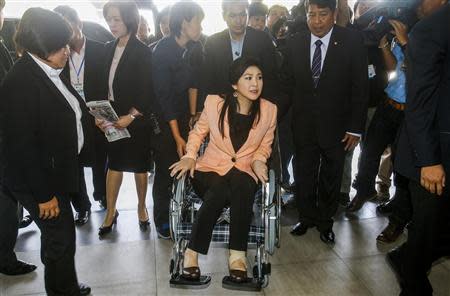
<point x="251" y="284"/>
<point x="182" y="283"/>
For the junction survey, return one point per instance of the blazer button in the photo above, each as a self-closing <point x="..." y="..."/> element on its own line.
<point x="233" y="159"/>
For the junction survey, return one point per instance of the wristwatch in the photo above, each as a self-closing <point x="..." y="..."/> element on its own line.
<point x="132" y="116"/>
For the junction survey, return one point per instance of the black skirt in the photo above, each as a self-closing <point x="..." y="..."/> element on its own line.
<point x="131" y="154"/>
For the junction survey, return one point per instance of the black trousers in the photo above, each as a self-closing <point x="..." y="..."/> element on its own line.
<point x="9" y="226"/>
<point x="401" y="202"/>
<point x="165" y="154"/>
<point x="237" y="190"/>
<point x="287" y="147"/>
<point x="57" y="241"/>
<point x="382" y="132"/>
<point x="318" y="180"/>
<point x="80" y="200"/>
<point x="428" y="239"/>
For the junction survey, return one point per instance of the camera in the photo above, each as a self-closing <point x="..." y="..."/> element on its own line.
<point x="375" y="22"/>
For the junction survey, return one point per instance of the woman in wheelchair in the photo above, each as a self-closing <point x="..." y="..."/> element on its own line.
<point x="241" y="128"/>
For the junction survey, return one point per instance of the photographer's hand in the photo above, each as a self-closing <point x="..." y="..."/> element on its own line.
<point x="400" y="31"/>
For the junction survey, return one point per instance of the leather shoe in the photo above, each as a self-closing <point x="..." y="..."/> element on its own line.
<point x="26" y="221"/>
<point x="191" y="273"/>
<point x="238" y="276"/>
<point x="84" y="289"/>
<point x="82" y="217"/>
<point x="385" y="208"/>
<point x="391" y="233"/>
<point x="357" y="203"/>
<point x="327" y="236"/>
<point x="344" y="199"/>
<point x="19" y="268"/>
<point x="299" y="229"/>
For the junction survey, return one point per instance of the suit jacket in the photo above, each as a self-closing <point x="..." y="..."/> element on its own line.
<point x="133" y="84"/>
<point x="220" y="156"/>
<point x="425" y="136"/>
<point x="6" y="61"/>
<point x="339" y="103"/>
<point x="95" y="88"/>
<point x="41" y="141"/>
<point x="219" y="57"/>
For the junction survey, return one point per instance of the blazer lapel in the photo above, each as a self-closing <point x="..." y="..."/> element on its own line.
<point x="128" y="51"/>
<point x="228" y="55"/>
<point x="330" y="58"/>
<point x="227" y="139"/>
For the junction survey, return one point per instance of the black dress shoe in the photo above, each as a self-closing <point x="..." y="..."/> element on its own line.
<point x="19" y="268"/>
<point x="391" y="233"/>
<point x="26" y="221"/>
<point x="84" y="289"/>
<point x="103" y="230"/>
<point x="327" y="236"/>
<point x="82" y="217"/>
<point x="191" y="273"/>
<point x="299" y="229"/>
<point x="358" y="202"/>
<point x="385" y="208"/>
<point x="238" y="276"/>
<point x="344" y="199"/>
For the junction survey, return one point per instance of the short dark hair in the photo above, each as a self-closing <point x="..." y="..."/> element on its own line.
<point x="42" y="32"/>
<point x="2" y="4"/>
<point x="128" y="11"/>
<point x="257" y="9"/>
<point x="275" y="6"/>
<point x="68" y="13"/>
<point x="331" y="4"/>
<point x="227" y="3"/>
<point x="183" y="11"/>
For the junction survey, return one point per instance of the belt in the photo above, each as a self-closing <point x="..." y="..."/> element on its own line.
<point x="396" y="105"/>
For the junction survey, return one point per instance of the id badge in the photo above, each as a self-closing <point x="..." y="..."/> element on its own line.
<point x="372" y="72"/>
<point x="79" y="88"/>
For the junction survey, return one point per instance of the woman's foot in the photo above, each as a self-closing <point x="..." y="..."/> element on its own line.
<point x="238" y="266"/>
<point x="144" y="220"/>
<point x="107" y="228"/>
<point x="191" y="271"/>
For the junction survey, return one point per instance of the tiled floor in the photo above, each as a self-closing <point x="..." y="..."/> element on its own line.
<point x="130" y="262"/>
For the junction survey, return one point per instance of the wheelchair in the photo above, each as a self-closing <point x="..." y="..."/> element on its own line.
<point x="264" y="234"/>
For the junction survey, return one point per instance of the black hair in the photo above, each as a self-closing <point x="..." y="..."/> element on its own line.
<point x="128" y="12"/>
<point x="227" y="3"/>
<point x="231" y="103"/>
<point x="42" y="32"/>
<point x="331" y="4"/>
<point x="183" y="11"/>
<point x="68" y="13"/>
<point x="163" y="13"/>
<point x="257" y="9"/>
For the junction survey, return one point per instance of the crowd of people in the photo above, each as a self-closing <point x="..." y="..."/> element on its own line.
<point x="327" y="76"/>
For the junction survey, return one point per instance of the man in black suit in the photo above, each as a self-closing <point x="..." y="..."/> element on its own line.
<point x="84" y="70"/>
<point x="326" y="74"/>
<point x="222" y="48"/>
<point x="424" y="149"/>
<point x="9" y="264"/>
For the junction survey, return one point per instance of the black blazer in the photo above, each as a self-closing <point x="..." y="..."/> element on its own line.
<point x="339" y="104"/>
<point x="133" y="84"/>
<point x="218" y="59"/>
<point x="6" y="61"/>
<point x="95" y="88"/>
<point x="40" y="133"/>
<point x="425" y="136"/>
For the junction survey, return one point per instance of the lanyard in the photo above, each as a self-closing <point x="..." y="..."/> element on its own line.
<point x="75" y="68"/>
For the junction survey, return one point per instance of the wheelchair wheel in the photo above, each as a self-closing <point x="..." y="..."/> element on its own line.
<point x="176" y="205"/>
<point x="271" y="213"/>
<point x="176" y="263"/>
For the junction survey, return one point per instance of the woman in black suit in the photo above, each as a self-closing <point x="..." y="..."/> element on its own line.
<point x="46" y="134"/>
<point x="129" y="79"/>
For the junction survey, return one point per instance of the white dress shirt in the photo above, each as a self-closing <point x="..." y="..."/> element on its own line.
<point x="324" y="47"/>
<point x="53" y="74"/>
<point x="112" y="71"/>
<point x="77" y="65"/>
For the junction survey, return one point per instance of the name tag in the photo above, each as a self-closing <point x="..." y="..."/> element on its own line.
<point x="79" y="88"/>
<point x="372" y="72"/>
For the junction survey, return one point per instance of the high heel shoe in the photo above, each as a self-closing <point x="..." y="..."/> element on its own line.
<point x="103" y="230"/>
<point x="143" y="225"/>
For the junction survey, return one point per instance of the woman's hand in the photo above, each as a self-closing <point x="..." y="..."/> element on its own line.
<point x="400" y="31"/>
<point x="181" y="146"/>
<point x="181" y="167"/>
<point x="260" y="170"/>
<point x="49" y="209"/>
<point x="193" y="120"/>
<point x="124" y="121"/>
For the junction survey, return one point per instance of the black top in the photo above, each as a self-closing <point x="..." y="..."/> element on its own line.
<point x="239" y="134"/>
<point x="172" y="77"/>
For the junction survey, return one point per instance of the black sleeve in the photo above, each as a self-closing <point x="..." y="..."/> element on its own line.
<point x="145" y="97"/>
<point x="359" y="85"/>
<point x="286" y="78"/>
<point x="425" y="63"/>
<point x="207" y="73"/>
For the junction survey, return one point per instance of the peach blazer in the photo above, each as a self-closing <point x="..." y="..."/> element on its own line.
<point x="219" y="155"/>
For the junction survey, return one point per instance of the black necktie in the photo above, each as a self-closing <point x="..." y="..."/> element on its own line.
<point x="317" y="63"/>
